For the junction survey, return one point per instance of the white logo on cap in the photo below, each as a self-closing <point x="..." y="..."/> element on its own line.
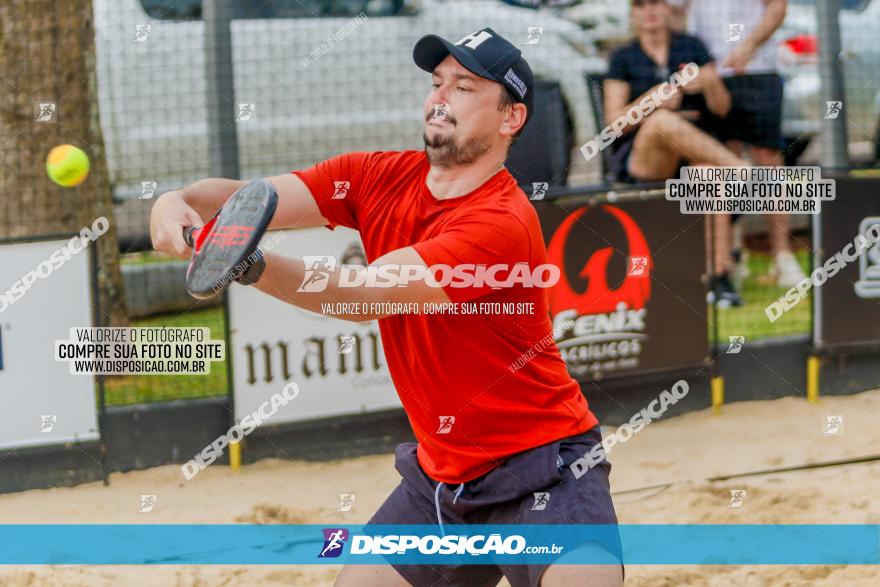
<point x="475" y="39"/>
<point x="511" y="77"/>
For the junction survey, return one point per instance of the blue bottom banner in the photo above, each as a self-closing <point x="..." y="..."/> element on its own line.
<point x="297" y="544"/>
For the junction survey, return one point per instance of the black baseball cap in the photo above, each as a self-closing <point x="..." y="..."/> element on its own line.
<point x="488" y="55"/>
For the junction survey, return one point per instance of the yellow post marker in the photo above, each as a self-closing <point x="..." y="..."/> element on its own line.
<point x="813" y="379"/>
<point x="717" y="394"/>
<point x="235" y="456"/>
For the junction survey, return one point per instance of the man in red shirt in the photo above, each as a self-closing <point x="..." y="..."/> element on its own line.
<point x="497" y="417"/>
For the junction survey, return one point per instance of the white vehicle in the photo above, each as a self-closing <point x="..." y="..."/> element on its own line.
<point x="298" y="103"/>
<point x="802" y="111"/>
<point x="860" y="54"/>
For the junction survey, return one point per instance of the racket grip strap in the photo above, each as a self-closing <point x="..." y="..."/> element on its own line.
<point x="188" y="235"/>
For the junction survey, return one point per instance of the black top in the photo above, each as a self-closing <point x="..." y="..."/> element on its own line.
<point x="631" y="64"/>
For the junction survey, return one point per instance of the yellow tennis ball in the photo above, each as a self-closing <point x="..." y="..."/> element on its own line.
<point x="67" y="165"/>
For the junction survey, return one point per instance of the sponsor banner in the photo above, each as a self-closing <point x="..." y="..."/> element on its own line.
<point x="338" y="365"/>
<point x="43" y="402"/>
<point x="733" y="544"/>
<point x="630" y="297"/>
<point x="848" y="308"/>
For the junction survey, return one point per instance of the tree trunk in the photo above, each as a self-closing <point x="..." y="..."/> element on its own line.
<point x="47" y="54"/>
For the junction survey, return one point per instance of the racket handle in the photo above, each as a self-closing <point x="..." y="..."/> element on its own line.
<point x="188" y="235"/>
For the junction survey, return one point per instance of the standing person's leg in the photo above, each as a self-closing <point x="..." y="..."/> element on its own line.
<point x="738" y="252"/>
<point x="785" y="269"/>
<point x="777" y="223"/>
<point x="666" y="138"/>
<point x="757" y="109"/>
<point x="721" y="288"/>
<point x="722" y="262"/>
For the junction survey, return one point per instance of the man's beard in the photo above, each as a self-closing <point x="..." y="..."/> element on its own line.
<point x="443" y="151"/>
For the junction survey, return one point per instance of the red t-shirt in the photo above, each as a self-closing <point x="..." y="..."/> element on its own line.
<point x="459" y="365"/>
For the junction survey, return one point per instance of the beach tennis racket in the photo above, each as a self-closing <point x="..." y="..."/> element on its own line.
<point x="222" y="246"/>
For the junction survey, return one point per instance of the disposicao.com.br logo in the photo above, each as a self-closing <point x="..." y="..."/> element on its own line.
<point x="320" y="271"/>
<point x="429" y="544"/>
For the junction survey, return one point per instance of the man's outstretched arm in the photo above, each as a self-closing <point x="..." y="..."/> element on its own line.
<point x="284" y="275"/>
<point x="198" y="202"/>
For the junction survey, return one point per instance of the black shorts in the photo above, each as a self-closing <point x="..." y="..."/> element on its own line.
<point x="623" y="147"/>
<point x="755" y="116"/>
<point x="619" y="160"/>
<point x="504" y="495"/>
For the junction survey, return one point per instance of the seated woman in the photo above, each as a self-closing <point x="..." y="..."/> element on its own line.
<point x="681" y="128"/>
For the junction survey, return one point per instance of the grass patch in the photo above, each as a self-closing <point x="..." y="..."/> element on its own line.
<point x="132" y="389"/>
<point x="758" y="292"/>
<point x="146" y="258"/>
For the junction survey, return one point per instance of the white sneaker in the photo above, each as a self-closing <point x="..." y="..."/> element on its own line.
<point x="786" y="270"/>
<point x="741" y="270"/>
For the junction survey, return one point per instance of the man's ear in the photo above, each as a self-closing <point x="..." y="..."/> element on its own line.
<point x="514" y="118"/>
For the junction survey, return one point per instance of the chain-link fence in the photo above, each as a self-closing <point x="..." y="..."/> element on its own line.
<point x="160" y="93"/>
<point x="252" y="89"/>
<point x="829" y="117"/>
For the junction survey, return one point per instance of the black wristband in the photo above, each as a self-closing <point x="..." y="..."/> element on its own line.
<point x="256" y="265"/>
